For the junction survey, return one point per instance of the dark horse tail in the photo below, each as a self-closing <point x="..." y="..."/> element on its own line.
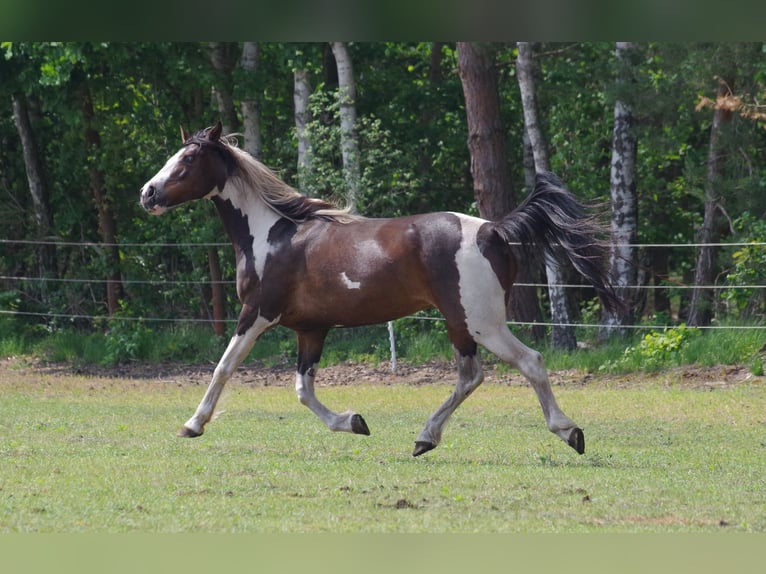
<point x="550" y="222"/>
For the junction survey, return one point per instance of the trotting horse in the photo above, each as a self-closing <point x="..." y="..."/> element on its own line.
<point x="310" y="266"/>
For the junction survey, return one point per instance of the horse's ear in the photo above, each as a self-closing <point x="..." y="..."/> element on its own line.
<point x="215" y="132"/>
<point x="184" y="135"/>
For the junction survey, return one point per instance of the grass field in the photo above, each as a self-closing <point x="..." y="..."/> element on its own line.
<point x="96" y="454"/>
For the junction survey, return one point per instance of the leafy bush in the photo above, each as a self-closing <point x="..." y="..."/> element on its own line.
<point x="749" y="268"/>
<point x="654" y="351"/>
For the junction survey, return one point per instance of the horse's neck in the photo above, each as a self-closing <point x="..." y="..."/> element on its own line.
<point x="246" y="217"/>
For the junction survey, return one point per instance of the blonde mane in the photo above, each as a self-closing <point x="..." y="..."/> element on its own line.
<point x="278" y="195"/>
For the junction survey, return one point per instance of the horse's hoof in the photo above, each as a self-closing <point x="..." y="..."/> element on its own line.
<point x="422" y="446"/>
<point x="358" y="426"/>
<point x="577" y="440"/>
<point x="186" y="432"/>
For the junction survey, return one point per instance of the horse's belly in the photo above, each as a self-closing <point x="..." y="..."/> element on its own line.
<point x="350" y="309"/>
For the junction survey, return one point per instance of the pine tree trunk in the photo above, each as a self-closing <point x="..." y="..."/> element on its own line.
<point x="701" y="304"/>
<point x="491" y="175"/>
<point x="251" y="117"/>
<point x="624" y="203"/>
<point x="217" y="291"/>
<point x="106" y="221"/>
<point x="486" y="134"/>
<point x="562" y="332"/>
<point x="349" y="142"/>
<point x="222" y="57"/>
<point x="301" y="95"/>
<point x="659" y="269"/>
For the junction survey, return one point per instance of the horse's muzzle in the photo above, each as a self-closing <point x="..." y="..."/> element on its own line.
<point x="151" y="199"/>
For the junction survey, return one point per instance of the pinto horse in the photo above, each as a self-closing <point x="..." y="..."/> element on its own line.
<point x="310" y="266"/>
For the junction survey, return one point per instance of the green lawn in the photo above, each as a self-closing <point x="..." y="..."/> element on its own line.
<point x="80" y="454"/>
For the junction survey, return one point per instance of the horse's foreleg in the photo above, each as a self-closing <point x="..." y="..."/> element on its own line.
<point x="239" y="347"/>
<point x="470" y="376"/>
<point x="530" y="363"/>
<point x="310" y="344"/>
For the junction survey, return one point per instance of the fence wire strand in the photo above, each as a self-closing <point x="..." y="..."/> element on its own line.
<point x="172" y="282"/>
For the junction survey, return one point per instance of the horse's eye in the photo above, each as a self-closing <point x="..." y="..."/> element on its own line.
<point x="188" y="159"/>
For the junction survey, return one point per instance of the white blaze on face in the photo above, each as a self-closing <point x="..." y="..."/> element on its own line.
<point x="348" y="282"/>
<point x="161" y="176"/>
<point x="159" y="179"/>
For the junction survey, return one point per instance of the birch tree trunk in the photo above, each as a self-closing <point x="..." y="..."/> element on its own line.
<point x="562" y="332"/>
<point x="701" y="305"/>
<point x="491" y="175"/>
<point x="251" y="117"/>
<point x="38" y="187"/>
<point x="349" y="142"/>
<point x="623" y="261"/>
<point x="301" y="95"/>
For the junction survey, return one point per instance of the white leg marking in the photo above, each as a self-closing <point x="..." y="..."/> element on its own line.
<point x="239" y="347"/>
<point x="304" y="388"/>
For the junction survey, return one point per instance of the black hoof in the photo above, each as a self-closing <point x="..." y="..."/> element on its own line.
<point x="577" y="440"/>
<point x="186" y="432"/>
<point x="422" y="446"/>
<point x="359" y="426"/>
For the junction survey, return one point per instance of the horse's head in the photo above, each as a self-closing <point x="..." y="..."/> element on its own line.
<point x="199" y="169"/>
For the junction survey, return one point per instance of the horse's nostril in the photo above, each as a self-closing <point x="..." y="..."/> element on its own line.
<point x="150" y="191"/>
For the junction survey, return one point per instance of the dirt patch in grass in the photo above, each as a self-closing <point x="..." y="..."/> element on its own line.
<point x="258" y="375"/>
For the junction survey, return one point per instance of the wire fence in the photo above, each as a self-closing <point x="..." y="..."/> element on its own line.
<point x="168" y="282"/>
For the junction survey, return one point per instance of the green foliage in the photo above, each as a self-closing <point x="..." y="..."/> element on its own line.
<point x="747" y="276"/>
<point x="414" y="158"/>
<point x="422" y="338"/>
<point x="384" y="177"/>
<point x="655" y="350"/>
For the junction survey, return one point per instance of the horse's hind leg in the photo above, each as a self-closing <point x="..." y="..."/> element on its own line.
<point x="470" y="376"/>
<point x="310" y="344"/>
<point x="502" y="343"/>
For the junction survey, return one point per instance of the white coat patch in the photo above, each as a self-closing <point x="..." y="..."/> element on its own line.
<point x="481" y="294"/>
<point x="348" y="282"/>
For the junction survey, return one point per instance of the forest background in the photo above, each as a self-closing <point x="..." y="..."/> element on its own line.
<point x="667" y="137"/>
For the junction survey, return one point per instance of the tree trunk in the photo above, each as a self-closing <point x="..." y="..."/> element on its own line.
<point x="660" y="273"/>
<point x="223" y="59"/>
<point x="349" y="141"/>
<point x="222" y="56"/>
<point x="435" y="74"/>
<point x="701" y="305"/>
<point x="491" y="175"/>
<point x="623" y="262"/>
<point x="217" y="291"/>
<point x="562" y="332"/>
<point x="251" y="117"/>
<point x="46" y="254"/>
<point x="106" y="221"/>
<point x="486" y="134"/>
<point x="301" y="95"/>
<point x="526" y="71"/>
